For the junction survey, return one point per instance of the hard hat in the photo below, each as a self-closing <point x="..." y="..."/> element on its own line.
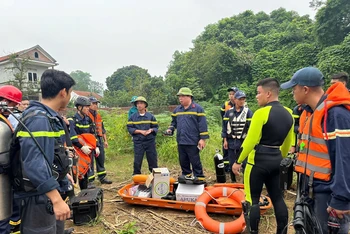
<point x="234" y="89"/>
<point x="93" y="99"/>
<point x="140" y="99"/>
<point x="82" y="101"/>
<point x="133" y="99"/>
<point x="11" y="93"/>
<point x="185" y="92"/>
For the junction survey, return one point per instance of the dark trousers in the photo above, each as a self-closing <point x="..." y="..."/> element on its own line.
<point x="320" y="205"/>
<point x="232" y="156"/>
<point x="5" y="226"/>
<point x="265" y="172"/>
<point x="100" y="163"/>
<point x="189" y="156"/>
<point x="35" y="217"/>
<point x="14" y="220"/>
<point x="225" y="157"/>
<point x="140" y="148"/>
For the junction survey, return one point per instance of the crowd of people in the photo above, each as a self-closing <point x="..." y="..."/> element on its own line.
<point x="42" y="149"/>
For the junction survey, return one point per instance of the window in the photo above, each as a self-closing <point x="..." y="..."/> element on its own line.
<point x="35" y="77"/>
<point x="30" y="77"/>
<point x="36" y="55"/>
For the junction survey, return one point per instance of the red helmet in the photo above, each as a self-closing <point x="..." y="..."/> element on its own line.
<point x="11" y="93"/>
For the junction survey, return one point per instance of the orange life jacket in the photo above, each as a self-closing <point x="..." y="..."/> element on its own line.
<point x="98" y="122"/>
<point x="313" y="152"/>
<point x="227" y="106"/>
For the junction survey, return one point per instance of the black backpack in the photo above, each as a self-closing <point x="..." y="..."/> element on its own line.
<point x="60" y="166"/>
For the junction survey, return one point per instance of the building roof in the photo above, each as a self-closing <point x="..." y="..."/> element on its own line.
<point x="22" y="53"/>
<point x="87" y="94"/>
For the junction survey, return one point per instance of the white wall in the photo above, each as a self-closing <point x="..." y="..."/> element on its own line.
<point x="6" y="75"/>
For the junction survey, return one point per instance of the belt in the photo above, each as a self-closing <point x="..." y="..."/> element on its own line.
<point x="268" y="148"/>
<point x="271" y="146"/>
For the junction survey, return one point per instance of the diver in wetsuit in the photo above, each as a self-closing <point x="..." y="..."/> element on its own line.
<point x="268" y="140"/>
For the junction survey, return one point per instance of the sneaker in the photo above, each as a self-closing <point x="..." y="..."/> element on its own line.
<point x="105" y="181"/>
<point x="199" y="180"/>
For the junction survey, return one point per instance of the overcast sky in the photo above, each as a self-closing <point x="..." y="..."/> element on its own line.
<point x="101" y="36"/>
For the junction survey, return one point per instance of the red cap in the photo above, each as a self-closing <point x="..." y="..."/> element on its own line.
<point x="11" y="93"/>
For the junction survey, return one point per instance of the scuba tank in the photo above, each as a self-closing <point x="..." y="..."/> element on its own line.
<point x="219" y="167"/>
<point x="5" y="183"/>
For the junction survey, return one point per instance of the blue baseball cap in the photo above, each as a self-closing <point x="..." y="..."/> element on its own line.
<point x="307" y="76"/>
<point x="234" y="89"/>
<point x="93" y="99"/>
<point x="240" y="94"/>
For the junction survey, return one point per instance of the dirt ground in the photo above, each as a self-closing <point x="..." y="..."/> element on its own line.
<point x="122" y="218"/>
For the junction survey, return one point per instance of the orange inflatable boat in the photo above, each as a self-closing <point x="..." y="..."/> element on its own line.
<point x="224" y="205"/>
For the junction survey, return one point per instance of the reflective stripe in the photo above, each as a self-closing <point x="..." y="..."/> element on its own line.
<point x="101" y="173"/>
<point x="222" y="228"/>
<point x="222" y="109"/>
<point x="203" y="133"/>
<point x="338" y="133"/>
<point x="143" y="122"/>
<point x="314" y="168"/>
<point x="296" y="116"/>
<point x="315" y="153"/>
<point x="82" y="126"/>
<point x="226" y="118"/>
<point x="15" y="223"/>
<point x="188" y="113"/>
<point x="224" y="191"/>
<point x="314" y="139"/>
<point x="74" y="137"/>
<point x="91" y="177"/>
<point x="201" y="204"/>
<point x="41" y="134"/>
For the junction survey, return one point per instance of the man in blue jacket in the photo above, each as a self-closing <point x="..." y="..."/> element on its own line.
<point x="42" y="207"/>
<point x="324" y="146"/>
<point x="192" y="131"/>
<point x="143" y="127"/>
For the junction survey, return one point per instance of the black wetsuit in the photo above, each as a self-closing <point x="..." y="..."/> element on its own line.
<point x="269" y="139"/>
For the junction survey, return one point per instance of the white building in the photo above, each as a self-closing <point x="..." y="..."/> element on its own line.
<point x="38" y="61"/>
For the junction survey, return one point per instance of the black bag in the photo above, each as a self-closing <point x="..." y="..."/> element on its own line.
<point x="87" y="206"/>
<point x="286" y="173"/>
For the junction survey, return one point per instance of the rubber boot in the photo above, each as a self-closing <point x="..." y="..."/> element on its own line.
<point x="246" y="209"/>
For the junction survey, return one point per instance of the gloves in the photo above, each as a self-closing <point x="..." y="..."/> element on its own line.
<point x="86" y="149"/>
<point x="97" y="151"/>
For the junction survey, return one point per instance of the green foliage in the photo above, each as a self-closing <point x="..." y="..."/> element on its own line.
<point x="129" y="228"/>
<point x="335" y="58"/>
<point x="133" y="80"/>
<point x="333" y="22"/>
<point x="84" y="82"/>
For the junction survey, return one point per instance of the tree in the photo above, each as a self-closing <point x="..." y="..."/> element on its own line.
<point x="82" y="80"/>
<point x="19" y="69"/>
<point x="333" y="22"/>
<point x="96" y="87"/>
<point x="315" y="4"/>
<point x="130" y="78"/>
<point x="335" y="58"/>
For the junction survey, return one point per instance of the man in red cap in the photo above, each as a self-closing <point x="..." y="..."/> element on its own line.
<point x="10" y="97"/>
